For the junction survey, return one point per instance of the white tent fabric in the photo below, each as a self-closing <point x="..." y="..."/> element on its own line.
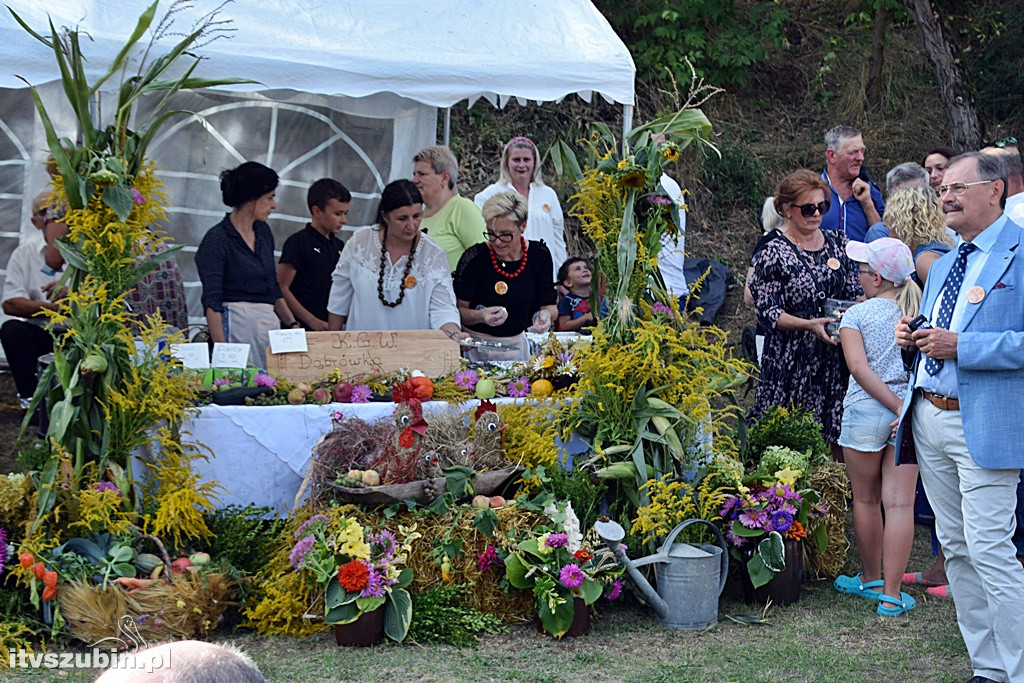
<point x="436" y="52"/>
<point x="346" y="89"/>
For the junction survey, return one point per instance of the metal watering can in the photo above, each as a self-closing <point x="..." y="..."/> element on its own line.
<point x="690" y="578"/>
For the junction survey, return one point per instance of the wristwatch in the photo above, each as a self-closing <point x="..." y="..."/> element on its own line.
<point x="294" y="324"/>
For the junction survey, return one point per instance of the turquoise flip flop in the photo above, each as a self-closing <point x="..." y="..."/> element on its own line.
<point x="854" y="585"/>
<point x="904" y="603"/>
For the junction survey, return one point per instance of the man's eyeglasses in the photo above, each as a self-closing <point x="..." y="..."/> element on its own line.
<point x="808" y="210"/>
<point x="959" y="188"/>
<point x="1005" y="142"/>
<point x="503" y="237"/>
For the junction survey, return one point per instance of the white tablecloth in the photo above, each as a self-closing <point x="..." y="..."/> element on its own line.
<point x="260" y="454"/>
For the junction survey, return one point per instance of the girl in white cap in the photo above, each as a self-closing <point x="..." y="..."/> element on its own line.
<point x="878" y="383"/>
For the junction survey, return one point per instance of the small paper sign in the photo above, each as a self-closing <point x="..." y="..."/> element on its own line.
<point x="192" y="356"/>
<point x="230" y="355"/>
<point x="288" y="341"/>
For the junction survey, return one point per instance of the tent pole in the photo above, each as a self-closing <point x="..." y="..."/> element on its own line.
<point x="627" y="119"/>
<point x="447" y="126"/>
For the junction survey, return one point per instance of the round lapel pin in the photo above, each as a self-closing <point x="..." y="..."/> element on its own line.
<point x="833" y="263"/>
<point x="975" y="295"/>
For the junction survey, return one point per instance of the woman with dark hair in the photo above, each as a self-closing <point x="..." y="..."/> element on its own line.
<point x="392" y="276"/>
<point x="935" y="163"/>
<point x="504" y="287"/>
<point x="793" y="276"/>
<point x="241" y="298"/>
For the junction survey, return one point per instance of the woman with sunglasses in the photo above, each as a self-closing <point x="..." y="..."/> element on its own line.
<point x="504" y="287"/>
<point x="793" y="276"/>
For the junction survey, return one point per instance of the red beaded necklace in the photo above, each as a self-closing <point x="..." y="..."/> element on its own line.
<point x="518" y="271"/>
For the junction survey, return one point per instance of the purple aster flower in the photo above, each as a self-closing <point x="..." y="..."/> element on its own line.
<point x="3" y="549"/>
<point x="102" y="486"/>
<point x="737" y="541"/>
<point x="360" y="394"/>
<point x="310" y="521"/>
<point x="383" y="544"/>
<point x="299" y="552"/>
<point x="137" y="197"/>
<point x="557" y="540"/>
<point x="221" y="382"/>
<point x="661" y="309"/>
<point x="781" y="521"/>
<point x="518" y="388"/>
<point x="754" y="519"/>
<point x="565" y="357"/>
<point x="466" y="379"/>
<point x="571" y="576"/>
<point x="616" y="590"/>
<point x="730" y="506"/>
<point x="262" y="379"/>
<point x="375" y="585"/>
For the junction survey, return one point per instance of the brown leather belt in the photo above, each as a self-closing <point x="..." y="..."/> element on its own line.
<point x="941" y="402"/>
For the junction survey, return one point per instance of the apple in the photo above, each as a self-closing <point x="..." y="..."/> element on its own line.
<point x="181" y="565"/>
<point x="485" y="389"/>
<point x="199" y="559"/>
<point x="354" y="474"/>
<point x="371" y="478"/>
<point x="321" y="395"/>
<point x="481" y="502"/>
<point x="497" y="502"/>
<point x="304" y="388"/>
<point x="296" y="397"/>
<point x="343" y="392"/>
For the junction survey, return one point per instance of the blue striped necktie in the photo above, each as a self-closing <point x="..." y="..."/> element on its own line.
<point x="950" y="291"/>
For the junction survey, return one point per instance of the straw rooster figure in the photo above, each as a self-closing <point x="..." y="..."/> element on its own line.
<point x="398" y="462"/>
<point x="488" y="449"/>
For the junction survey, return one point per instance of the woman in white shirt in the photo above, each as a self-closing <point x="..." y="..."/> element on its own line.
<point x="392" y="276"/>
<point x="520" y="171"/>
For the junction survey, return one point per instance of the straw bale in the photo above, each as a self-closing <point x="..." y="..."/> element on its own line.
<point x="830" y="480"/>
<point x="155" y="613"/>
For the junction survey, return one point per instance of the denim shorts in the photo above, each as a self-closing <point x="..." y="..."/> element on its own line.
<point x="866" y="426"/>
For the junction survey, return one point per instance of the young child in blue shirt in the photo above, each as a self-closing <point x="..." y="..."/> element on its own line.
<point x="574" y="312"/>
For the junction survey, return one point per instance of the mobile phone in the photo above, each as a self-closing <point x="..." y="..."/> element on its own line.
<point x="919" y="323"/>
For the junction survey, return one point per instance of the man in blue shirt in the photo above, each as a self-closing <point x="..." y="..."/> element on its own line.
<point x="856" y="202"/>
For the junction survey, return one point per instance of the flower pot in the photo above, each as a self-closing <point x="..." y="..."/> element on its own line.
<point x="366" y="631"/>
<point x="784" y="588"/>
<point x="580" y="620"/>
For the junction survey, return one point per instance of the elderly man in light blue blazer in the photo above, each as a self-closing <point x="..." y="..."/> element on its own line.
<point x="963" y="420"/>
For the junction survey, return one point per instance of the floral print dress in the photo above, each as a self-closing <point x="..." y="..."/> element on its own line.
<point x="798" y="369"/>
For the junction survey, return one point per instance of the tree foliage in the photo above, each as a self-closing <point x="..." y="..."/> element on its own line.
<point x="721" y="39"/>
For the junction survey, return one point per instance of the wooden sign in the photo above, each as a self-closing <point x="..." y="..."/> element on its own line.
<point x="365" y="353"/>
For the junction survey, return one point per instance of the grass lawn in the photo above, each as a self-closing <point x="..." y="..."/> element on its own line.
<point x="825" y="637"/>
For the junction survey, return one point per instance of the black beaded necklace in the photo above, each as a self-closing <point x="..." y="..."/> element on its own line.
<point x="405" y="273"/>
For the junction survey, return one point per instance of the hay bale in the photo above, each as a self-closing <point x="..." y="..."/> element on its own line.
<point x="190" y="607"/>
<point x="830" y="480"/>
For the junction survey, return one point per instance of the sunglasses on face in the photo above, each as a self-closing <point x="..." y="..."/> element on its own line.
<point x="1004" y="142"/>
<point x="808" y="210"/>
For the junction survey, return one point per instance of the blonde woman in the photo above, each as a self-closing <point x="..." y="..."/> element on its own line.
<point x="914" y="216"/>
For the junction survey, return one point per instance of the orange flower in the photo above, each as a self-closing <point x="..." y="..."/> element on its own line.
<point x="583" y="555"/>
<point x="796" y="531"/>
<point x="354" y="576"/>
<point x="49" y="593"/>
<point x="38" y="570"/>
<point x="26" y="560"/>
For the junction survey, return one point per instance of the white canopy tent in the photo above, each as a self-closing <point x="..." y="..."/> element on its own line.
<point x="346" y="89"/>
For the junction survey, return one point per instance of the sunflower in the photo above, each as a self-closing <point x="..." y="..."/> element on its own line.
<point x="633" y="180"/>
<point x="671" y="153"/>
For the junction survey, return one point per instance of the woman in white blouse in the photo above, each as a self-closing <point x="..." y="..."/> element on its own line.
<point x="520" y="171"/>
<point x="392" y="276"/>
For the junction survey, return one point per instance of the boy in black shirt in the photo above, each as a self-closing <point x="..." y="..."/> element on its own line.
<point x="309" y="256"/>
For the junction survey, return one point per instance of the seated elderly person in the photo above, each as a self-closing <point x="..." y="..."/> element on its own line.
<point x="31" y="273"/>
<point x="392" y="276"/>
<point x="504" y="287"/>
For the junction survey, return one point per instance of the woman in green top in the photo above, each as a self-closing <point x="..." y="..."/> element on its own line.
<point x="452" y="221"/>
